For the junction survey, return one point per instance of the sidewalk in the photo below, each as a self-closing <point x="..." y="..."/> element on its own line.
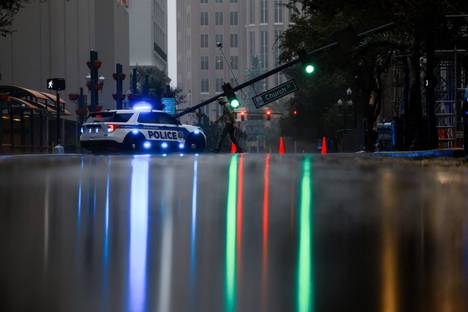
<point x="438" y="153"/>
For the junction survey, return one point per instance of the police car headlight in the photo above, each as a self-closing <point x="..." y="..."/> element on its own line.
<point x="147" y="145"/>
<point x="82" y="130"/>
<point x="181" y="145"/>
<point x="164" y="145"/>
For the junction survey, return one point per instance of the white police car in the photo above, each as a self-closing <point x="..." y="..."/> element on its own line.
<point x="139" y="131"/>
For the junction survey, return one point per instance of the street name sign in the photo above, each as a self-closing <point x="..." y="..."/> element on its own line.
<point x="275" y="93"/>
<point x="57" y="84"/>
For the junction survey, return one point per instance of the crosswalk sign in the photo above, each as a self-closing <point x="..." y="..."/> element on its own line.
<point x="57" y="84"/>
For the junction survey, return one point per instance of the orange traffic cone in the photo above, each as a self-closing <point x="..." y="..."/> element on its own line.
<point x="233" y="148"/>
<point x="281" y="146"/>
<point x="324" y="146"/>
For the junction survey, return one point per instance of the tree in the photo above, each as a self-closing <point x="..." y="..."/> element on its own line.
<point x="419" y="26"/>
<point x="154" y="84"/>
<point x="8" y="10"/>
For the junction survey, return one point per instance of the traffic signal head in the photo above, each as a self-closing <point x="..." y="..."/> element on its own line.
<point x="295" y="113"/>
<point x="307" y="62"/>
<point x="309" y="69"/>
<point x="242" y="115"/>
<point x="231" y="96"/>
<point x="268" y="114"/>
<point x="234" y="103"/>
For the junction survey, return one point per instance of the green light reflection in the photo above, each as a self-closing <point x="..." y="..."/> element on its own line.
<point x="305" y="285"/>
<point x="230" y="287"/>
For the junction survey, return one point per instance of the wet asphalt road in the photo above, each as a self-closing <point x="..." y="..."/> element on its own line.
<point x="232" y="233"/>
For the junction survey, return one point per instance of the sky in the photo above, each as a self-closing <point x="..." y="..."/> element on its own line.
<point x="172" y="41"/>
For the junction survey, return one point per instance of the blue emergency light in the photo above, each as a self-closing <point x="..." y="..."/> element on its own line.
<point x="142" y="106"/>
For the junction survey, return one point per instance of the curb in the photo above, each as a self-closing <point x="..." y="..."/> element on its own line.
<point x="442" y="153"/>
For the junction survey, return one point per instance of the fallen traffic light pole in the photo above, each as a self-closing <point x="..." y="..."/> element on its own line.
<point x="283" y="67"/>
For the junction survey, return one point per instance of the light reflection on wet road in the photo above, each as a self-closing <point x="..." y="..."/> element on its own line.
<point x="232" y="233"/>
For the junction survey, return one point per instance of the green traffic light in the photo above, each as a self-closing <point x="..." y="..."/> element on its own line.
<point x="310" y="69"/>
<point x="235" y="103"/>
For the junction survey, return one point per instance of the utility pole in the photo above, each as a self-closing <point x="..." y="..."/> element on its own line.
<point x="280" y="68"/>
<point x="57" y="84"/>
<point x="57" y="107"/>
<point x="119" y="77"/>
<point x="93" y="80"/>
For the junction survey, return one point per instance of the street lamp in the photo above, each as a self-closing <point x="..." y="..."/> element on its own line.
<point x="341" y="106"/>
<point x="101" y="82"/>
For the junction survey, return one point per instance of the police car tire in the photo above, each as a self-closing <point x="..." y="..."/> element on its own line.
<point x="195" y="144"/>
<point x="134" y="143"/>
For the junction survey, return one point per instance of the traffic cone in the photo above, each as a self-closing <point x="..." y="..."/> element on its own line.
<point x="281" y="146"/>
<point x="324" y="146"/>
<point x="233" y="148"/>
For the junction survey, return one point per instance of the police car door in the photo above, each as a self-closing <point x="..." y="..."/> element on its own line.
<point x="176" y="132"/>
<point x="154" y="130"/>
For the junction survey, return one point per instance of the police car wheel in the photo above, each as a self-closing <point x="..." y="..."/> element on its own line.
<point x="134" y="143"/>
<point x="195" y="144"/>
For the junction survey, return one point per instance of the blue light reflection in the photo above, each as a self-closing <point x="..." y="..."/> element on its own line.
<point x="138" y="234"/>
<point x="193" y="247"/>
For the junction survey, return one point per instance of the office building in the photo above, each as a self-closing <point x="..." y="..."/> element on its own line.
<point x="53" y="38"/>
<point x="148" y="33"/>
<point x="202" y="66"/>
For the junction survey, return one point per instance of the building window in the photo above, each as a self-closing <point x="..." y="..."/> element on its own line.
<point x="277" y="50"/>
<point x="234" y="41"/>
<point x="219" y="1"/>
<point x="234" y="62"/>
<point x="279" y="7"/>
<point x="203" y="1"/>
<point x="264" y="84"/>
<point x="252" y="11"/>
<point x="252" y="44"/>
<point x="205" y="85"/>
<point x="203" y="18"/>
<point x="263" y="11"/>
<point x="204" y="40"/>
<point x="233" y="1"/>
<point x="219" y="39"/>
<point x="204" y="63"/>
<point x="219" y="18"/>
<point x="219" y="62"/>
<point x="264" y="49"/>
<point x="234" y="18"/>
<point x="219" y="85"/>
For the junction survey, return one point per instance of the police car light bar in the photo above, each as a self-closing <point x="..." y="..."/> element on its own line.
<point x="164" y="145"/>
<point x="142" y="106"/>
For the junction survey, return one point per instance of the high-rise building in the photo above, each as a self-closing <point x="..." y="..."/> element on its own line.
<point x="148" y="33"/>
<point x="266" y="22"/>
<point x="250" y="32"/>
<point x="202" y="66"/>
<point x="52" y="38"/>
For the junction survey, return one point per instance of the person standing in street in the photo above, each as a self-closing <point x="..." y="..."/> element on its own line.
<point x="229" y="126"/>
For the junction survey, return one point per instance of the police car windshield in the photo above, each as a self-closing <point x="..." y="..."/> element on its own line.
<point x="109" y="117"/>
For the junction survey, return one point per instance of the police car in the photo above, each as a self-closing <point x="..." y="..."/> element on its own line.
<point x="139" y="130"/>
